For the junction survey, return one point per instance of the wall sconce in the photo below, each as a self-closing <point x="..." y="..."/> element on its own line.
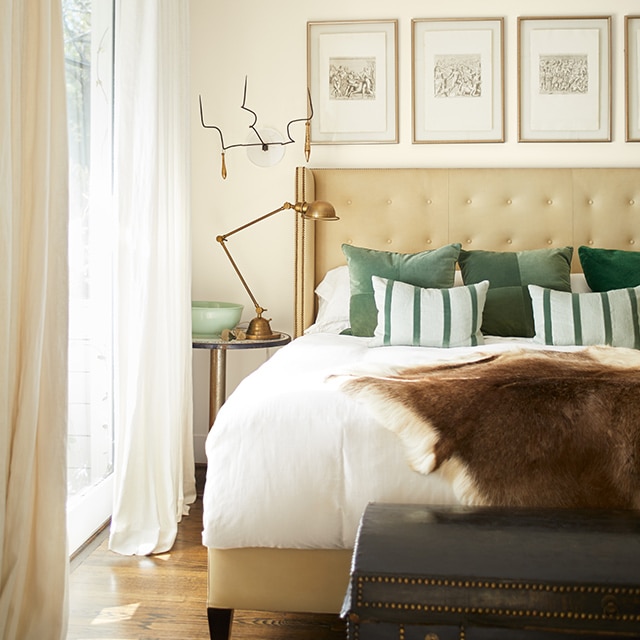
<point x="265" y="147"/>
<point x="259" y="327"/>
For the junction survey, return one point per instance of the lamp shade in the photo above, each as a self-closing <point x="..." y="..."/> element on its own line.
<point x="319" y="210"/>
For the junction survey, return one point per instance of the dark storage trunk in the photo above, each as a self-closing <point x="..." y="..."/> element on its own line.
<point x="432" y="573"/>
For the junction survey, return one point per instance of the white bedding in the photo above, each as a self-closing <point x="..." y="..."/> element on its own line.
<point x="292" y="461"/>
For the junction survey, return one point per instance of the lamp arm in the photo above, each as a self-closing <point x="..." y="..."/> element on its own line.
<point x="223" y="238"/>
<point x="286" y="205"/>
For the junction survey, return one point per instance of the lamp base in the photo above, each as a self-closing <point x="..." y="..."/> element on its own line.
<point x="260" y="329"/>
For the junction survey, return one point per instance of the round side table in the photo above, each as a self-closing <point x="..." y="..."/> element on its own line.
<point x="218" y="364"/>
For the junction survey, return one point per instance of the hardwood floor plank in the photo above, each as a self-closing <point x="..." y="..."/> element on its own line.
<point x="163" y="597"/>
<point x="253" y="625"/>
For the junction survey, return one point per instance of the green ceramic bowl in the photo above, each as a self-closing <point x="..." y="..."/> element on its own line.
<point x="210" y="319"/>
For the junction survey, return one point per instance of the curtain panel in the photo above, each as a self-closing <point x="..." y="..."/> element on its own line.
<point x="33" y="321"/>
<point x="154" y="464"/>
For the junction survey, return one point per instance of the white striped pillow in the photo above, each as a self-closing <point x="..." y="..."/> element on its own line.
<point x="410" y="315"/>
<point x="605" y="318"/>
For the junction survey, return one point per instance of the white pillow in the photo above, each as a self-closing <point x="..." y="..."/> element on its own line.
<point x="410" y="315"/>
<point x="606" y="318"/>
<point x="579" y="283"/>
<point x="334" y="295"/>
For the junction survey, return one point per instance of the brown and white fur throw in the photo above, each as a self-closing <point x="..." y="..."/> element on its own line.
<point x="520" y="428"/>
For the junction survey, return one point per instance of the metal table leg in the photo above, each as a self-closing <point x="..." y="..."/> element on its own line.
<point x="217" y="381"/>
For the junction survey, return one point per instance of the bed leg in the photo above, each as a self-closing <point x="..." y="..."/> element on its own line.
<point x="219" y="623"/>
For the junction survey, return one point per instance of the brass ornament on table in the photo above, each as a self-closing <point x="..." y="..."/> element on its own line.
<point x="233" y="334"/>
<point x="262" y="142"/>
<point x="318" y="211"/>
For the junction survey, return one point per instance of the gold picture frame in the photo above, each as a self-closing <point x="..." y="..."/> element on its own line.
<point x="352" y="71"/>
<point x="458" y="80"/>
<point x="564" y="79"/>
<point x="632" y="74"/>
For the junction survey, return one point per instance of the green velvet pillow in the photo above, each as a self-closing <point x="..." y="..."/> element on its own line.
<point x="433" y="269"/>
<point x="508" y="311"/>
<point x="608" y="269"/>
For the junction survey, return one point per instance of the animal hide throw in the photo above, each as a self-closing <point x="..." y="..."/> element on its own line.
<point x="520" y="428"/>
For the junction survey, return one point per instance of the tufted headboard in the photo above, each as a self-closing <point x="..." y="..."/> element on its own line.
<point x="410" y="210"/>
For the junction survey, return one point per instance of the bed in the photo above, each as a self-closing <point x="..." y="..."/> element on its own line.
<point x="292" y="458"/>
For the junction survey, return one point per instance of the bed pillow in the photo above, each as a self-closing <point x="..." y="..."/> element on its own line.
<point x="435" y="268"/>
<point x="599" y="318"/>
<point x="507" y="311"/>
<point x="579" y="283"/>
<point x="333" y="295"/>
<point x="607" y="269"/>
<point x="420" y="317"/>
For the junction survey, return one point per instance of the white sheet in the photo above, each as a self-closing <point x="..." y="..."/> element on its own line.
<point x="292" y="461"/>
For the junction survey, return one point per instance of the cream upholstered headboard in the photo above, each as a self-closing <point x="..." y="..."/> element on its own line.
<point x="410" y="210"/>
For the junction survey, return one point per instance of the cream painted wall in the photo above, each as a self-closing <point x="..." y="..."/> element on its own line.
<point x="266" y="41"/>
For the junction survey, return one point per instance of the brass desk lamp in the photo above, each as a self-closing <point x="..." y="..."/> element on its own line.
<point x="259" y="328"/>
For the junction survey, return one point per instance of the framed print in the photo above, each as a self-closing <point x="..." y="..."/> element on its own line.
<point x="458" y="87"/>
<point x="564" y="79"/>
<point x="632" y="64"/>
<point x="352" y="70"/>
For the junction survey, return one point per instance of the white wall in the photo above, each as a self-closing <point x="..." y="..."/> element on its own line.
<point x="266" y="41"/>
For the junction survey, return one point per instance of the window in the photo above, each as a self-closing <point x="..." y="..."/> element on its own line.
<point x="88" y="30"/>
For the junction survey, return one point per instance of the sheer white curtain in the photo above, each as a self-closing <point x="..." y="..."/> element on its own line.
<point x="154" y="468"/>
<point x="33" y="321"/>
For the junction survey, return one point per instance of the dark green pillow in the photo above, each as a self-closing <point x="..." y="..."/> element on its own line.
<point x="608" y="269"/>
<point x="427" y="269"/>
<point x="508" y="310"/>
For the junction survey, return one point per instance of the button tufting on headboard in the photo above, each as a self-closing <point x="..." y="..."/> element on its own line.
<point x="493" y="209"/>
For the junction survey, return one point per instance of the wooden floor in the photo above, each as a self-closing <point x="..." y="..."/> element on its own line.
<point x="164" y="597"/>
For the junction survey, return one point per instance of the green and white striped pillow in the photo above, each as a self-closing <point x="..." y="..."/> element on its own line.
<point x="414" y="316"/>
<point x="606" y="318"/>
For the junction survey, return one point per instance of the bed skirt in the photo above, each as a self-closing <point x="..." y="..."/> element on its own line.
<point x="294" y="580"/>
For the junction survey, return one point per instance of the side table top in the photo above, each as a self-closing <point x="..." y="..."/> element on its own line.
<point x="219" y="343"/>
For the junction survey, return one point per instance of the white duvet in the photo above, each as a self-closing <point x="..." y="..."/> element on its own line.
<point x="292" y="461"/>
